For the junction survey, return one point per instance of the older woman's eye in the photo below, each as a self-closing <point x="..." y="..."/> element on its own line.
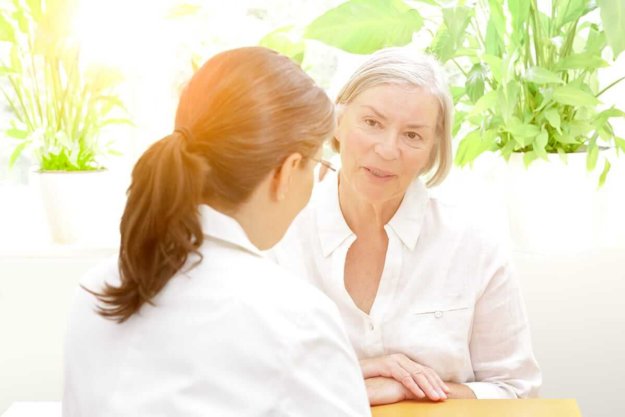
<point x="371" y="122"/>
<point x="412" y="138"/>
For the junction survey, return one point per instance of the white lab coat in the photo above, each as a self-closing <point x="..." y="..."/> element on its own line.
<point x="234" y="336"/>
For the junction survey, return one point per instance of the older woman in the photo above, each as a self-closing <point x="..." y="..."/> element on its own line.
<point x="428" y="298"/>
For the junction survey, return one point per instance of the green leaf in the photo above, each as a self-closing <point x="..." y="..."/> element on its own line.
<point x="519" y="11"/>
<point x="508" y="98"/>
<point x="494" y="41"/>
<point x="6" y="30"/>
<point x="540" y="143"/>
<point x="363" y="27"/>
<point x="613" y="18"/>
<point x="604" y="173"/>
<point x="495" y="66"/>
<point x="286" y="42"/>
<point x="553" y="117"/>
<point x="35" y="9"/>
<point x="17" y="152"/>
<point x="475" y="82"/>
<point x="572" y="96"/>
<point x="539" y="75"/>
<point x="528" y="158"/>
<point x="508" y="149"/>
<point x="584" y="60"/>
<point x="459" y="117"/>
<point x="596" y="40"/>
<point x="487" y="102"/>
<point x="457" y="92"/>
<point x="620" y="144"/>
<point x="474" y="144"/>
<point x="497" y="17"/>
<point x="442" y="46"/>
<point x="456" y="20"/>
<point x="16" y="133"/>
<point x="569" y="10"/>
<point x="592" y="156"/>
<point x="579" y="128"/>
<point x="523" y="133"/>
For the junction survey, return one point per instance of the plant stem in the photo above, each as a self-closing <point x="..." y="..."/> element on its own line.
<point x="459" y="67"/>
<point x="610" y="86"/>
<point x="534" y="14"/>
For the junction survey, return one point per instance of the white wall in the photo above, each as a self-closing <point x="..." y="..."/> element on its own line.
<point x="35" y="295"/>
<point x="575" y="306"/>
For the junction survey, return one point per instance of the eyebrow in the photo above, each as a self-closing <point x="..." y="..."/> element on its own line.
<point x="383" y="117"/>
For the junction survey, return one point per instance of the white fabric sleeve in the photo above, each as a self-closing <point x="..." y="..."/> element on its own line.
<point x="500" y="346"/>
<point x="326" y="379"/>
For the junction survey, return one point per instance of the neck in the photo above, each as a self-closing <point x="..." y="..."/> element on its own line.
<point x="364" y="216"/>
<point x="251" y="217"/>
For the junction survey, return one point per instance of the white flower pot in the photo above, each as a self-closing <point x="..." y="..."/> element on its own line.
<point x="81" y="207"/>
<point x="558" y="207"/>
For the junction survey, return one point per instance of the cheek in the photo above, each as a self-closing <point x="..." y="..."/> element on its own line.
<point x="352" y="145"/>
<point x="417" y="162"/>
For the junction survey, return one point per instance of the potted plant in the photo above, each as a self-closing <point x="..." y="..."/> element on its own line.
<point x="59" y="108"/>
<point x="530" y="92"/>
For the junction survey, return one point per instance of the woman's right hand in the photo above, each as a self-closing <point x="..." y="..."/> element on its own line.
<point x="419" y="380"/>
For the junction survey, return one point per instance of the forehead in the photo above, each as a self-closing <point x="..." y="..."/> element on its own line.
<point x="400" y="102"/>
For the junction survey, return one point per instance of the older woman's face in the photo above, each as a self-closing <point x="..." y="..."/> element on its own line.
<point x="386" y="136"/>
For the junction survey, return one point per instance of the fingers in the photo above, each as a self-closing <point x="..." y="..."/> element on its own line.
<point x="425" y="378"/>
<point x="422" y="382"/>
<point x="440" y="383"/>
<point x="428" y="384"/>
<point x="408" y="381"/>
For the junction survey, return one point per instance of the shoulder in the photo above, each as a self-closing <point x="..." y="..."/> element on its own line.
<point x="469" y="223"/>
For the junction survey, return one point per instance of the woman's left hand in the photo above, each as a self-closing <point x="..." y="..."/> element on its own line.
<point x="421" y="381"/>
<point x="381" y="390"/>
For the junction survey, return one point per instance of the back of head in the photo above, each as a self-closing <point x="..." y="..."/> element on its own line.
<point x="241" y="114"/>
<point x="400" y="66"/>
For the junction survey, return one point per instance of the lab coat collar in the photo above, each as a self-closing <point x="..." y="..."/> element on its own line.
<point x="220" y="226"/>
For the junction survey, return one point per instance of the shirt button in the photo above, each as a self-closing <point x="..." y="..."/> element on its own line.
<point x="371" y="326"/>
<point x="438" y="314"/>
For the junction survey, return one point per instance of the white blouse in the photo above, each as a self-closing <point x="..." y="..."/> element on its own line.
<point x="235" y="336"/>
<point x="446" y="298"/>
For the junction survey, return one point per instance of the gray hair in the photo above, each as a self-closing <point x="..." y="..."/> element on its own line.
<point x="398" y="66"/>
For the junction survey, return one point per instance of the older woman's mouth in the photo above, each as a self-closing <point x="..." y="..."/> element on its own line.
<point x="379" y="173"/>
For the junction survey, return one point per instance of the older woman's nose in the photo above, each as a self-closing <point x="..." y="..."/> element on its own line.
<point x="388" y="147"/>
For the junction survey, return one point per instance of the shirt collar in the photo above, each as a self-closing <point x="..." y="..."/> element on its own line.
<point x="222" y="227"/>
<point x="333" y="230"/>
<point x="408" y="220"/>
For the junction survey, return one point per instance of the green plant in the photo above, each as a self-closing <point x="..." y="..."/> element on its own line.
<point x="59" y="107"/>
<point x="526" y="78"/>
<point x="530" y="78"/>
<point x="356" y="26"/>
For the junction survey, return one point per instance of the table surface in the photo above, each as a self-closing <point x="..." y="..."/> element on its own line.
<point x="449" y="408"/>
<point x="481" y="408"/>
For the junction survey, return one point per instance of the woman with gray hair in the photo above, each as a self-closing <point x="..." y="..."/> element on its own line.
<point x="427" y="296"/>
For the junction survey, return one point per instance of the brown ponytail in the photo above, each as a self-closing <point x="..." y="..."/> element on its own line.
<point x="242" y="113"/>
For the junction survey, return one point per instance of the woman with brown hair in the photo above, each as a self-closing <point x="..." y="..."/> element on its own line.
<point x="192" y="319"/>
